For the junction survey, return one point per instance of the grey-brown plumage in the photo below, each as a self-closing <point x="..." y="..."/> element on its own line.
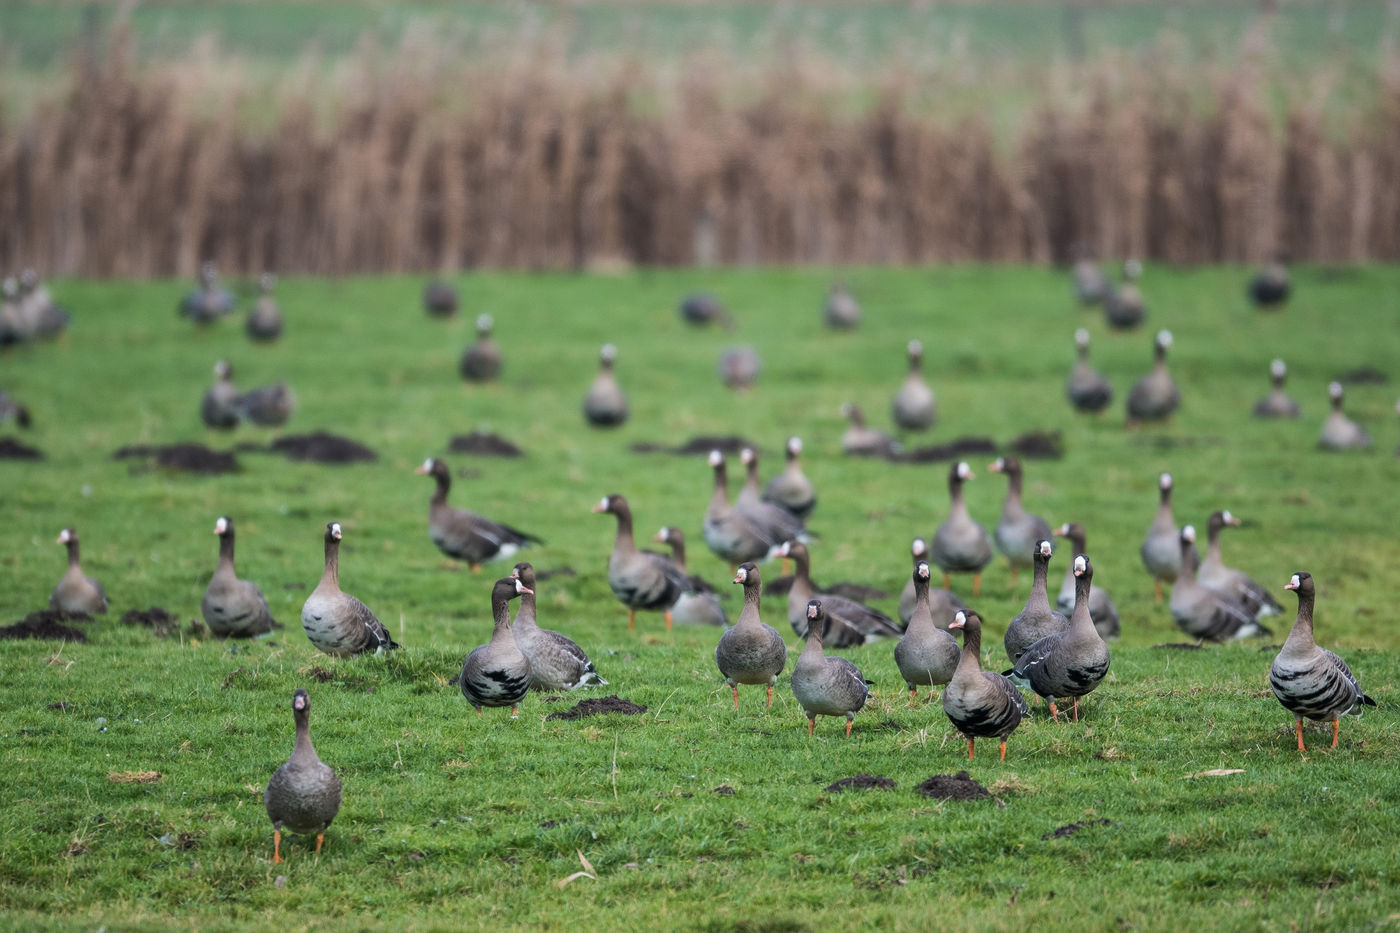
<point x="1312" y="682"/>
<point x="1123" y="308"/>
<point x="1086" y="388"/>
<point x="605" y="405"/>
<point x="1161" y="548"/>
<point x="498" y="673"/>
<point x="233" y="608"/>
<point x="556" y="661"/>
<point x="1214" y="574"/>
<point x="268" y="405"/>
<point x="336" y="622"/>
<point x="1202" y="612"/>
<point x="12" y="325"/>
<point x="76" y="592"/>
<point x="776" y="522"/>
<point x="739" y="367"/>
<point x="1069" y="663"/>
<point x="980" y="704"/>
<point x="842" y="311"/>
<point x="481" y="362"/>
<point x="302" y="796"/>
<point x="264" y="321"/>
<point x="219" y="408"/>
<point x="11" y="408"/>
<point x="463" y="534"/>
<point x="1155" y="397"/>
<point x="1101" y="608"/>
<point x="702" y="308"/>
<point x="1018" y="532"/>
<point x="1269" y="289"/>
<point x="860" y="440"/>
<point x="1091" y="286"/>
<point x="751" y="652"/>
<point x="926" y="654"/>
<point x="639" y="579"/>
<point x="1036" y="619"/>
<point x="698" y="603"/>
<point x="943" y="604"/>
<point x="914" y="407"/>
<point x="791" y="488"/>
<point x="208" y="302"/>
<point x="440" y="299"/>
<point x="960" y="545"/>
<point x="1339" y="432"/>
<point x="728" y="532"/>
<point x="1278" y="403"/>
<point x="848" y="622"/>
<point x="826" y="686"/>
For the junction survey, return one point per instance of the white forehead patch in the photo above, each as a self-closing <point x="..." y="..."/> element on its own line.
<point x="1295" y="581"/>
<point x="795" y="444"/>
<point x="1278" y="369"/>
<point x="716" y="458"/>
<point x="221" y="525"/>
<point x="964" y="471"/>
<point x="1080" y="564"/>
<point x="1165" y="481"/>
<point x="1189" y="532"/>
<point x="1045" y="549"/>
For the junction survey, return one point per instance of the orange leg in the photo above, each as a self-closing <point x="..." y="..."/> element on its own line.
<point x="668" y="620"/>
<point x="277" y="845"/>
<point x="1003" y="749"/>
<point x="515" y="712"/>
<point x="320" y="838"/>
<point x="914" y="695"/>
<point x="976" y="584"/>
<point x="811" y="726"/>
<point x="1157" y="591"/>
<point x="736" y="696"/>
<point x="1054" y="713"/>
<point x="1300" y="735"/>
<point x="770" y="697"/>
<point x="631" y="619"/>
<point x="969" y="750"/>
<point x="947" y="582"/>
<point x="1336" y="731"/>
<point x="476" y="568"/>
<point x="849" y="723"/>
<point x="478" y="711"/>
<point x="1076" y="709"/>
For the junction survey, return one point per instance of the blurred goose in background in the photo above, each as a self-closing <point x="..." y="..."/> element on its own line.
<point x="1018" y="532"/>
<point x="76" y="592"/>
<point x="1161" y="549"/>
<point x="728" y="532"/>
<point x="698" y="603"/>
<point x="1277" y="403"/>
<point x="842" y="311"/>
<point x="498" y="674"/>
<point x="775" y="521"/>
<point x="926" y="654"/>
<point x="219" y="408"/>
<point x="862" y="441"/>
<point x="481" y="362"/>
<point x="556" y="661"/>
<point x="1086" y="388"/>
<point x="1202" y="612"/>
<point x="942" y="603"/>
<point x="980" y="704"/>
<point x="1236" y="583"/>
<point x="826" y="686"/>
<point x="233" y="608"/>
<point x="739" y="367"/>
<point x="605" y="405"/>
<point x="1036" y="619"/>
<point x="703" y="309"/>
<point x="10" y="408"/>
<point x="12" y="329"/>
<point x="302" y="796"/>
<point x="462" y="534"/>
<point x="639" y="579"/>
<point x="1101" y="608"/>
<point x="1091" y="286"/>
<point x="751" y="652"/>
<point x="208" y="302"/>
<point x="267" y="405"/>
<point x="791" y="488"/>
<point x="264" y="318"/>
<point x="848" y="622"/>
<point x="1270" y="288"/>
<point x="960" y="545"/>
<point x="440" y="299"/>
<point x="914" y="407"/>
<point x="1155" y="397"/>
<point x="1071" y="662"/>
<point x="1339" y="432"/>
<point x="42" y="317"/>
<point x="1123" y="309"/>
<point x="336" y="622"/>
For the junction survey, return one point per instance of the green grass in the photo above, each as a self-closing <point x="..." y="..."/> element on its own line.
<point x="454" y="820"/>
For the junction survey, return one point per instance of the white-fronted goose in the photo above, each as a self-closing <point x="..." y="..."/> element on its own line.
<point x="1311" y="681"/>
<point x="302" y="796"/>
<point x="842" y="311"/>
<point x="264" y="320"/>
<point x="556" y="661"/>
<point x="702" y="308"/>
<point x="848" y="622"/>
<point x="739" y="367"/>
<point x="12" y="329"/>
<point x="942" y="603"/>
<point x="960" y="545"/>
<point x="728" y="532"/>
<point x="826" y="686"/>
<point x="1086" y="388"/>
<point x="914" y="407"/>
<point x="1214" y="574"/>
<point x="268" y="405"/>
<point x="1072" y="662"/>
<point x="605" y="405"/>
<point x="208" y="302"/>
<point x="1018" y="532"/>
<point x="481" y="362"/>
<point x="1090" y="284"/>
<point x="219" y="406"/>
<point x="698" y="603"/>
<point x="440" y="299"/>
<point x="980" y="703"/>
<point x="752" y="651"/>
<point x="336" y="622"/>
<point x="1154" y="397"/>
<point x="775" y="521"/>
<point x="1339" y="432"/>
<point x="1202" y="612"/>
<point x="1161" y="549"/>
<point x="1036" y="619"/>
<point x="639" y="579"/>
<point x="75" y="592"/>
<point x="1101" y="608"/>
<point x="1123" y="308"/>
<point x="926" y="654"/>
<point x="1277" y="404"/>
<point x="861" y="441"/>
<point x="465" y="535"/>
<point x="233" y="608"/>
<point x="791" y="488"/>
<point x="1269" y="289"/>
<point x="43" y="318"/>
<point x="498" y="673"/>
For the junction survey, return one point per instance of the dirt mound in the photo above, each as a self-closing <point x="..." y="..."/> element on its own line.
<point x="192" y="458"/>
<point x="1365" y="375"/>
<point x="696" y="446"/>
<point x="953" y="450"/>
<point x="1073" y="828"/>
<point x="952" y="787"/>
<point x="484" y="444"/>
<point x="595" y="706"/>
<point x="11" y="449"/>
<point x="161" y="623"/>
<point x="322" y="447"/>
<point x="1038" y="445"/>
<point x="862" y="782"/>
<point x="46" y="624"/>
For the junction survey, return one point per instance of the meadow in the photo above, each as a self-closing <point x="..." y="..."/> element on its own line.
<point x="691" y="815"/>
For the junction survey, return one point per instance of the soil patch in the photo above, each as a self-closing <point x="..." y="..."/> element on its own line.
<point x="1073" y="828"/>
<point x="1039" y="445"/>
<point x="862" y="782"/>
<point x="1365" y="375"/>
<point x="595" y="706"/>
<point x="47" y="624"/>
<point x="11" y="449"/>
<point x="192" y="458"/>
<point x="697" y="446"/>
<point x="322" y="447"/>
<point x="161" y="623"/>
<point x="484" y="444"/>
<point x="953" y="450"/>
<point x="952" y="787"/>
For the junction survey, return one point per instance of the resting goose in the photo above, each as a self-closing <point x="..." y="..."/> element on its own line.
<point x="1123" y="309"/>
<point x="848" y="622"/>
<point x="605" y="405"/>
<point x="465" y="535"/>
<point x="264" y="320"/>
<point x="209" y="302"/>
<point x="1214" y="574"/>
<point x="498" y="673"/>
<point x="1037" y="619"/>
<point x="1202" y="612"/>
<point x="914" y="407"/>
<point x="1311" y="681"/>
<point x="1154" y="397"/>
<point x="942" y="603"/>
<point x="267" y="405"/>
<point x="775" y="521"/>
<point x="1277" y="404"/>
<point x="739" y="367"/>
<point x="639" y="579"/>
<point x="842" y="311"/>
<point x="826" y="686"/>
<point x="1339" y="432"/>
<point x="1269" y="289"/>
<point x="977" y="702"/>
<point x="861" y="441"/>
<point x="1090" y="284"/>
<point x="791" y="488"/>
<point x="926" y="654"/>
<point x="729" y="533"/>
<point x="302" y="796"/>
<point x="481" y="362"/>
<point x="75" y="592"/>
<point x="751" y="652"/>
<point x="1101" y="608"/>
<point x="233" y="608"/>
<point x="1018" y="532"/>
<point x="440" y="299"/>
<point x="1161" y="549"/>
<point x="702" y="308"/>
<point x="556" y="661"/>
<point x="1086" y="388"/>
<point x="698" y="603"/>
<point x="336" y="622"/>
<point x="1072" y="662"/>
<point x="960" y="545"/>
<point x="219" y="408"/>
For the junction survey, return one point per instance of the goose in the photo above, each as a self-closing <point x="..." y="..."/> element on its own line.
<point x="842" y="311"/>
<point x="1154" y="397"/>
<point x="481" y="362"/>
<point x="826" y="686"/>
<point x="264" y="320"/>
<point x="1202" y="612"/>
<point x="465" y="535"/>
<point x="848" y="622"/>
<point x="498" y="673"/>
<point x="209" y="302"/>
<point x="702" y="308"/>
<point x="960" y="545"/>
<point x="914" y="407"/>
<point x="739" y="367"/>
<point x="336" y="622"/>
<point x="43" y="317"/>
<point x="1339" y="432"/>
<point x="1312" y="681"/>
<point x="980" y="703"/>
<point x="302" y="796"/>
<point x="1277" y="404"/>
<point x="76" y="593"/>
<point x="219" y="406"/>
<point x="1090" y="284"/>
<point x="639" y="579"/>
<point x="233" y="608"/>
<point x="1101" y="608"/>
<point x="1214" y="574"/>
<point x="12" y="324"/>
<point x="10" y="408"/>
<point x="267" y="405"/>
<point x="1269" y="289"/>
<point x="774" y="520"/>
<point x="861" y="441"/>
<point x="1018" y="532"/>
<point x="1161" y="549"/>
<point x="942" y="603"/>
<point x="926" y="654"/>
<point x="752" y="651"/>
<point x="1072" y="662"/>
<point x="1086" y="388"/>
<point x="556" y="661"/>
<point x="440" y="299"/>
<point x="605" y="405"/>
<point x="1123" y="309"/>
<point x="698" y="603"/>
<point x="1037" y="619"/>
<point x="728" y="532"/>
<point x="791" y="488"/>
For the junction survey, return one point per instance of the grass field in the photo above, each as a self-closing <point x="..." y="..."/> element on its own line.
<point x="451" y="820"/>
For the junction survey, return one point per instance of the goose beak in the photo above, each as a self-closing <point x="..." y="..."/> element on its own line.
<point x="522" y="588"/>
<point x="421" y="470"/>
<point x="1290" y="585"/>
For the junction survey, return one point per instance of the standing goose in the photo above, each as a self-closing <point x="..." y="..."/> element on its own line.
<point x="751" y="652"/>
<point x="1070" y="663"/>
<point x="1101" y="608"/>
<point x="481" y="362"/>
<point x="465" y="535"/>
<point x="219" y="408"/>
<point x="1037" y="619"/>
<point x="739" y="367"/>
<point x="914" y="407"/>
<point x="209" y="302"/>
<point x="1123" y="308"/>
<point x="1214" y="574"/>
<point x="847" y="621"/>
<point x="791" y="488"/>
<point x="943" y="604"/>
<point x="1339" y="432"/>
<point x="1311" y="681"/>
<point x="45" y="318"/>
<point x="826" y="686"/>
<point x="1154" y="397"/>
<point x="639" y="579"/>
<point x="842" y="311"/>
<point x="1018" y="532"/>
<point x="1161" y="549"/>
<point x="926" y="654"/>
<point x="1086" y="388"/>
<point x="861" y="441"/>
<point x="977" y="702"/>
<point x="775" y="521"/>
<point x="1277" y="404"/>
<point x="556" y="661"/>
<point x="1269" y="289"/>
<point x="698" y="603"/>
<point x="440" y="299"/>
<point x="728" y="532"/>
<point x="75" y="592"/>
<point x="336" y="622"/>
<point x="605" y="405"/>
<point x="1202" y="612"/>
<point x="233" y="608"/>
<point x="1090" y="284"/>
<point x="303" y="795"/>
<point x="498" y="673"/>
<point x="264" y="320"/>
<point x="12" y="324"/>
<point x="960" y="545"/>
